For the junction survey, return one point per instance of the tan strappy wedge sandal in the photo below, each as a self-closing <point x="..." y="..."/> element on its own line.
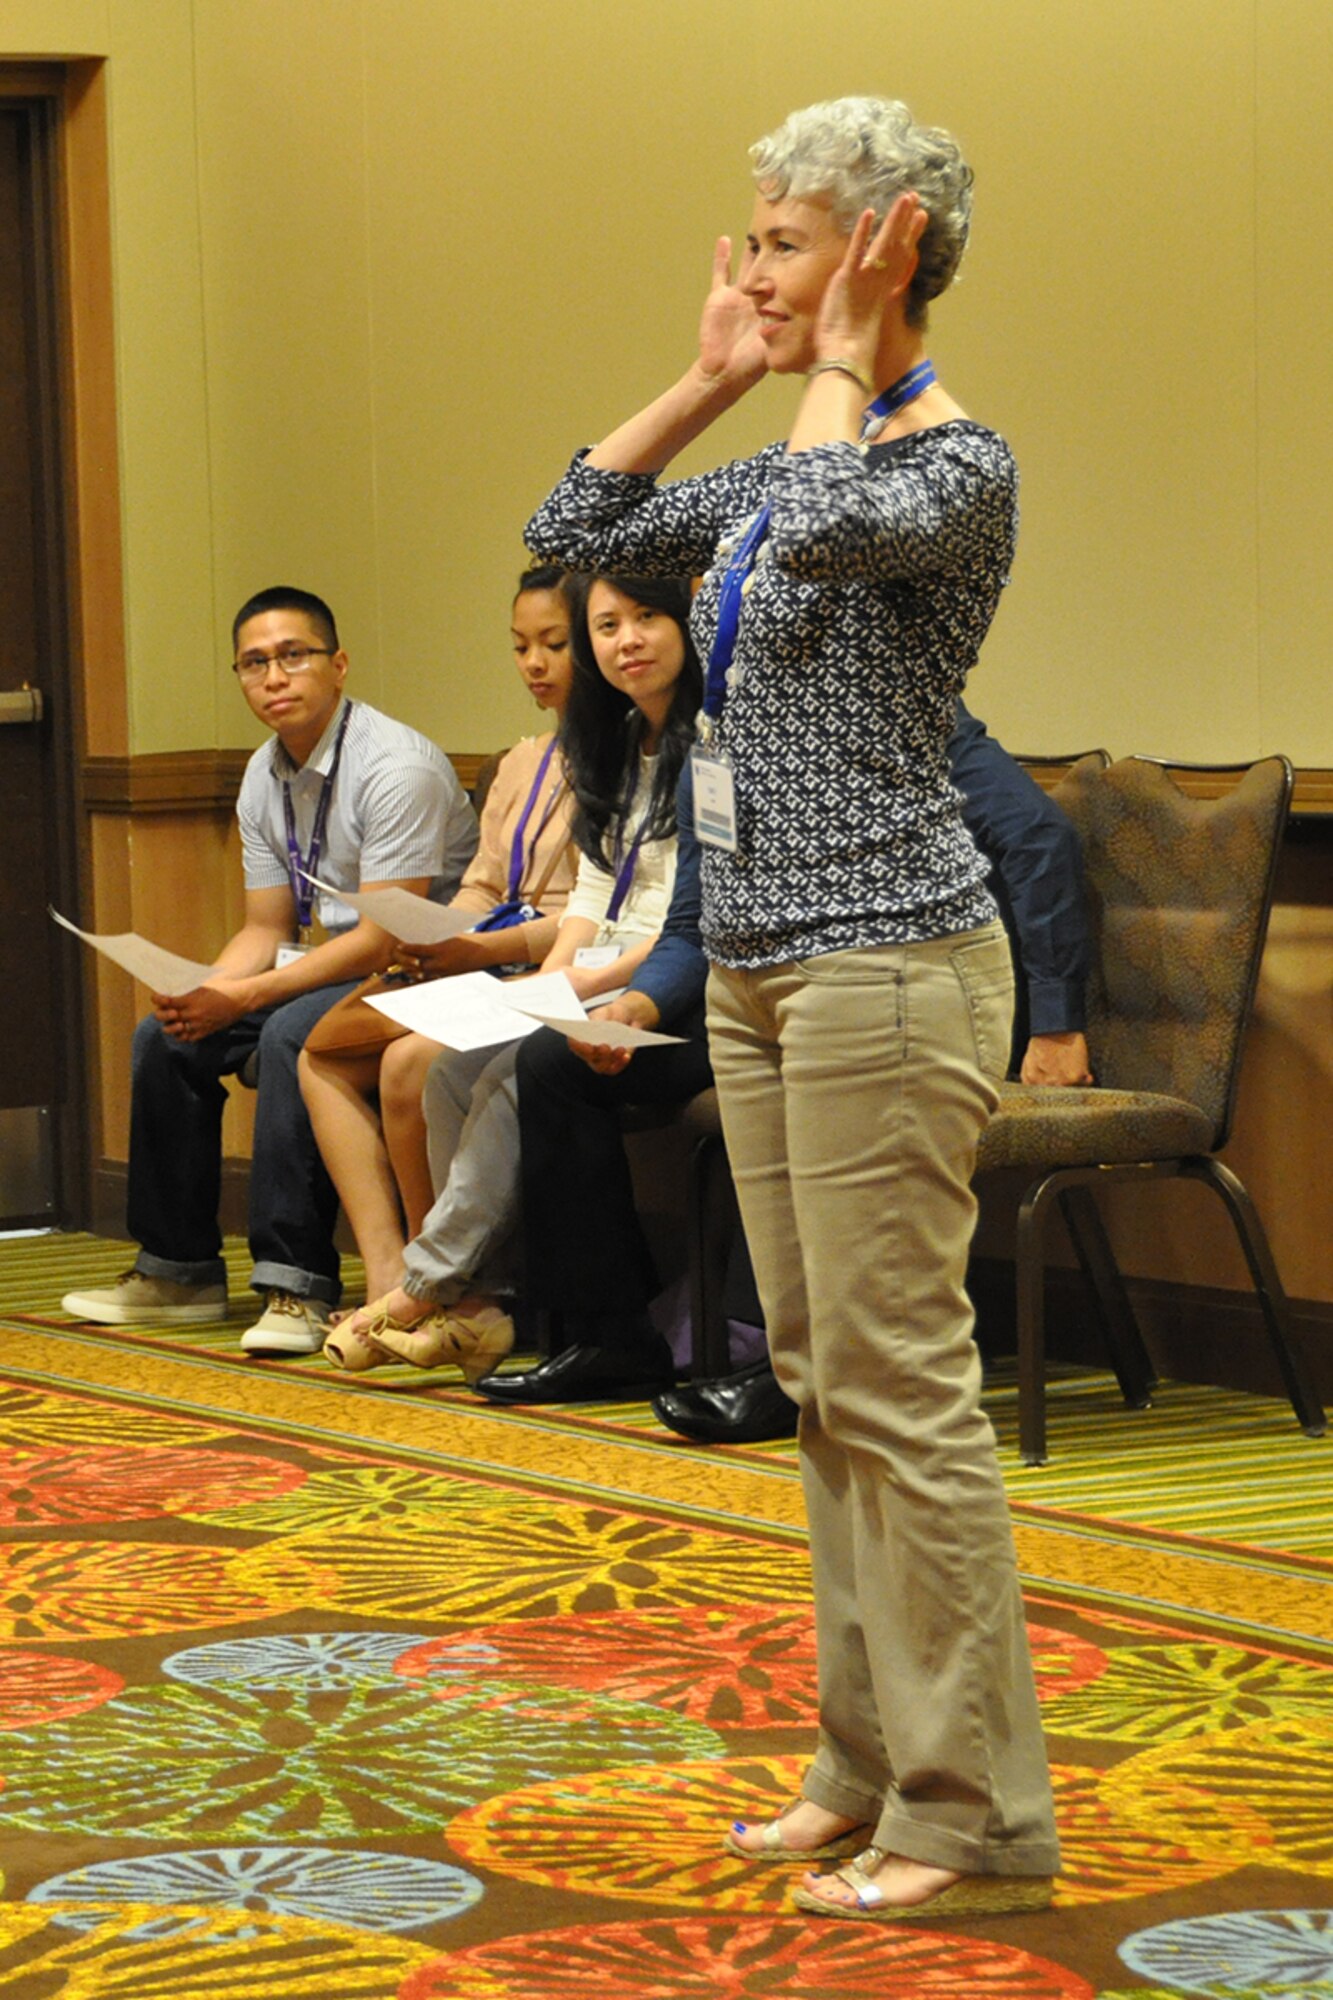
<point x="969" y="1896"/>
<point x="474" y="1342"/>
<point x="774" y="1848"/>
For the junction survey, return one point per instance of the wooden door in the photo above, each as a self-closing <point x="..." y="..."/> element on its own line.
<point x="41" y="1066"/>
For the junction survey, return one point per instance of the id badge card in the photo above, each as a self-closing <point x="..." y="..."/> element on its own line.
<point x="714" y="799"/>
<point x="289" y="953"/>
<point x="595" y="956"/>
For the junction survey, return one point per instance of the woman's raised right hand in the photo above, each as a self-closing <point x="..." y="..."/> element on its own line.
<point x="730" y="349"/>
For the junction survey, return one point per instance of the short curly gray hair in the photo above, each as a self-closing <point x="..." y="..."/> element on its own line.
<point x="863" y="152"/>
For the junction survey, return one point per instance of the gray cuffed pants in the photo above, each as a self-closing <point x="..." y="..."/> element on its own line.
<point x="470" y="1102"/>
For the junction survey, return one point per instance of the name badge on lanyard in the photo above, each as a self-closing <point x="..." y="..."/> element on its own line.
<point x="714" y="779"/>
<point x="302" y="868"/>
<point x="714" y="798"/>
<point x="594" y="956"/>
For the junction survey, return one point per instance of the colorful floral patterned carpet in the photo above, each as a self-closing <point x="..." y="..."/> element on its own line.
<point x="321" y="1687"/>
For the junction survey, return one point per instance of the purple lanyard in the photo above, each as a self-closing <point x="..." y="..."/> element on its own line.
<point x="300" y="867"/>
<point x="624" y="876"/>
<point x="518" y="861"/>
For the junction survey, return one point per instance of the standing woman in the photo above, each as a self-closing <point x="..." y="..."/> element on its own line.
<point x="860" y="995"/>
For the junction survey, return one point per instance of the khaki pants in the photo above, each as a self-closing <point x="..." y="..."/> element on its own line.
<point x="854" y="1088"/>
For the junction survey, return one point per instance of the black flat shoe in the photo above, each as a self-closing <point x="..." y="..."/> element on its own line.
<point x="745" y="1408"/>
<point x="580" y="1375"/>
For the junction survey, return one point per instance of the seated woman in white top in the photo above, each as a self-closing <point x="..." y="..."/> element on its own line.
<point x="626" y="731"/>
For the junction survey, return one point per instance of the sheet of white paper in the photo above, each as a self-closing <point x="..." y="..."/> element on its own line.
<point x="474" y="1011"/>
<point x="410" y="919"/>
<point x="546" y="993"/>
<point x="551" y="1000"/>
<point x="161" y="971"/>
<point x="465" y="1012"/>
<point x="607" y="1034"/>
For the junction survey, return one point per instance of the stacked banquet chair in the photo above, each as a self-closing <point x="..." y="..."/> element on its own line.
<point x="1180" y="887"/>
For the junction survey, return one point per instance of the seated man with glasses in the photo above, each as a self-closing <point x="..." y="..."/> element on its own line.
<point x="360" y="801"/>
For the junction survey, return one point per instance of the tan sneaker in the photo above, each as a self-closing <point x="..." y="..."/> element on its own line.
<point x="138" y="1300"/>
<point x="288" y="1325"/>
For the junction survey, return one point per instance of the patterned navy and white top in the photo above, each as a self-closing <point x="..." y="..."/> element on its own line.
<point x="873" y="591"/>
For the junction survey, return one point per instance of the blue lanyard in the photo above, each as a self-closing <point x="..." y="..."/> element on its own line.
<point x="729" y="612"/>
<point x="873" y="419"/>
<point x="896" y="397"/>
<point x="301" y="866"/>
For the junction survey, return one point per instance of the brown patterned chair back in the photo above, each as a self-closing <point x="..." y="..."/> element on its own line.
<point x="485" y="778"/>
<point x="1180" y="889"/>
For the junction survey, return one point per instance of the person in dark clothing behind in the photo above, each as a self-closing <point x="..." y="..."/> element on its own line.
<point x="586" y="1255"/>
<point x="1037" y="880"/>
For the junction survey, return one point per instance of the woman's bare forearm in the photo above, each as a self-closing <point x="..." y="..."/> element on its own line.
<point x="648" y="441"/>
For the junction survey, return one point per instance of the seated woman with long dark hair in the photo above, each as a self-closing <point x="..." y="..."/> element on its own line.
<point x="626" y="731"/>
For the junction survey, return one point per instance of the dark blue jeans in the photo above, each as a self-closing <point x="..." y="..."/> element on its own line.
<point x="176" y="1154"/>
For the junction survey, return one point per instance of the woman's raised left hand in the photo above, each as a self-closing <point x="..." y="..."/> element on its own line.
<point x="878" y="268"/>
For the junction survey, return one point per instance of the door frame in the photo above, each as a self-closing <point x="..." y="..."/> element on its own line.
<point x="83" y="607"/>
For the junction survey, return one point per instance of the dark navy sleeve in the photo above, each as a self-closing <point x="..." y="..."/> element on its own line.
<point x="674" y="971"/>
<point x="1036" y="875"/>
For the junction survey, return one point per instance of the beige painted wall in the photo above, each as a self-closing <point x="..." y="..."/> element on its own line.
<point x="380" y="264"/>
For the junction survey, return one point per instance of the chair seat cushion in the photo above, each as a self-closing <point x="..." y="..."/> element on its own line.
<point x="1080" y="1128"/>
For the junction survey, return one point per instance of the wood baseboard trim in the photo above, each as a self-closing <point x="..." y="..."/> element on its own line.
<point x="110" y="1189"/>
<point x="111" y="1186"/>
<point x="1194" y="1333"/>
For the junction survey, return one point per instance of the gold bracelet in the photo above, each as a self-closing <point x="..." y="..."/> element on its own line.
<point x="843" y="366"/>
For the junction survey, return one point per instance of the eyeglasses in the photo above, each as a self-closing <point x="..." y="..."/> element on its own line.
<point x="292" y="659"/>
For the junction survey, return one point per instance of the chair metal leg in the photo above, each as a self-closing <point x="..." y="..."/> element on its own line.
<point x="1120" y="1328"/>
<point x="548" y="1328"/>
<point x="1030" y="1300"/>
<point x="1268" y="1287"/>
<point x="712" y="1217"/>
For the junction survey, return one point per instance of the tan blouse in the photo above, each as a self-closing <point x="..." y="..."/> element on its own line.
<point x="550" y="856"/>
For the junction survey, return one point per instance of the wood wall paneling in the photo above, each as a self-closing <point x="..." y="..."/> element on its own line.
<point x="167" y="862"/>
